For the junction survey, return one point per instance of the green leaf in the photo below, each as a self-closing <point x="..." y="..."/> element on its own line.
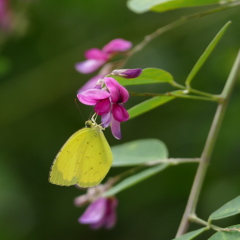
<point x="148" y="76"/>
<point x="191" y="235"/>
<point x="170" y="5"/>
<point x="138" y="152"/>
<point x="229" y="209"/>
<point x="141" y="6"/>
<point x="206" y="54"/>
<point x="150" y="104"/>
<point x="224" y="235"/>
<point x="134" y="179"/>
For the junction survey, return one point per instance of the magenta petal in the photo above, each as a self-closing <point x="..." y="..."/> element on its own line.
<point x="97" y="54"/>
<point x="98" y="224"/>
<point x="119" y="113"/>
<point x="111" y="217"/>
<point x="116" y="129"/>
<point x="106" y="119"/>
<point x="89" y="66"/>
<point x="117" y="45"/>
<point x="95" y="212"/>
<point x="102" y="106"/>
<point x="92" y="96"/>
<point x="119" y="94"/>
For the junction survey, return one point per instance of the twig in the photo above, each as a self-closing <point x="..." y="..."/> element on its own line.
<point x="208" y="149"/>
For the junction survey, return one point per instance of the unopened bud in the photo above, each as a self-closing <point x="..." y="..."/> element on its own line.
<point x="127" y="73"/>
<point x="81" y="200"/>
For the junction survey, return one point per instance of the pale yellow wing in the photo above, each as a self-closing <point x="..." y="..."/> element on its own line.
<point x="84" y="159"/>
<point x="97" y="160"/>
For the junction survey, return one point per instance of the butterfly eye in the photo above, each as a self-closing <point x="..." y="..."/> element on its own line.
<point x="88" y="124"/>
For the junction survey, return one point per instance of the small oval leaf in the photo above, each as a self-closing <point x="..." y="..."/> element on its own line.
<point x="229" y="209"/>
<point x="148" y="76"/>
<point x="206" y="54"/>
<point x="175" y="4"/>
<point x="134" y="179"/>
<point x="138" y="152"/>
<point x="227" y="235"/>
<point x="191" y="235"/>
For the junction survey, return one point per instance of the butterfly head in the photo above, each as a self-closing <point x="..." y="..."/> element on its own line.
<point x="93" y="124"/>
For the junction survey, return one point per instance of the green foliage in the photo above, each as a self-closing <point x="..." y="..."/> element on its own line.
<point x="229" y="209"/>
<point x="191" y="235"/>
<point x="148" y="76"/>
<point x="233" y="234"/>
<point x="150" y="104"/>
<point x="138" y="152"/>
<point x="206" y="54"/>
<point x="134" y="179"/>
<point x="140" y="6"/>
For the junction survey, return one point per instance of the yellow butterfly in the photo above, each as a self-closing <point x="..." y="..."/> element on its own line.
<point x="84" y="159"/>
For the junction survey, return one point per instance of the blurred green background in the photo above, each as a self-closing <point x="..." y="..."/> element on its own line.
<point x="37" y="91"/>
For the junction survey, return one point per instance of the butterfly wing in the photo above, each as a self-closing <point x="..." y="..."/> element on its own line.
<point x="84" y="159"/>
<point x="96" y="161"/>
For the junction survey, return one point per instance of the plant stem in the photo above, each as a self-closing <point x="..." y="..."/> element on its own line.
<point x="147" y="39"/>
<point x="196" y="219"/>
<point x="202" y="93"/>
<point x="191" y="90"/>
<point x="208" y="148"/>
<point x="215" y="99"/>
<point x="173" y="161"/>
<point x="131" y="171"/>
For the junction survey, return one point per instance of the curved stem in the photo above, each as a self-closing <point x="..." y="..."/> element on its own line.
<point x="147" y="39"/>
<point x="208" y="149"/>
<point x="202" y="93"/>
<point x="173" y="94"/>
<point x="191" y="90"/>
<point x="173" y="161"/>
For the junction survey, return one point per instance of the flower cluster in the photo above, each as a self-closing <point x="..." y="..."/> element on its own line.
<point x="107" y="98"/>
<point x="101" y="212"/>
<point x="105" y="93"/>
<point x="98" y="57"/>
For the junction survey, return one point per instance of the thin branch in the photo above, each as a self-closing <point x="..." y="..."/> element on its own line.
<point x="173" y="161"/>
<point x="147" y="39"/>
<point x="196" y="219"/>
<point x="213" y="99"/>
<point x="131" y="171"/>
<point x="208" y="148"/>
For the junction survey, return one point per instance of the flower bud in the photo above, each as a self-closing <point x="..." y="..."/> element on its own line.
<point x="127" y="73"/>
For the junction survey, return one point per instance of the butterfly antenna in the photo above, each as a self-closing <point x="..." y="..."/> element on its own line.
<point x="79" y="109"/>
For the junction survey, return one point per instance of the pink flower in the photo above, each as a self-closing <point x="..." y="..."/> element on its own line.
<point x="5" y="15"/>
<point x="100" y="213"/>
<point x="98" y="57"/>
<point x="108" y="103"/>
